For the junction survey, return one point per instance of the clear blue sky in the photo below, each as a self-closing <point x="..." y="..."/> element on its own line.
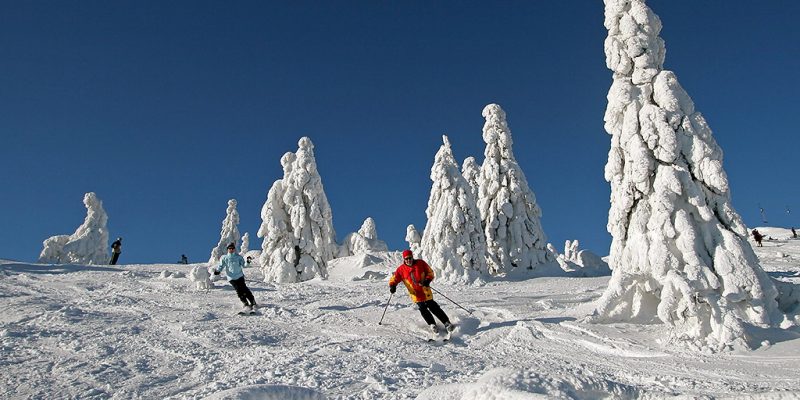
<point x="167" y="109"/>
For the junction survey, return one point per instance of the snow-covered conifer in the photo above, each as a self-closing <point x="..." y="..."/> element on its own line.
<point x="363" y="241"/>
<point x="509" y="212"/>
<point x="89" y="243"/>
<point x="471" y="172"/>
<point x="228" y="234"/>
<point x="413" y="239"/>
<point x="453" y="241"/>
<point x="245" y="244"/>
<point x="679" y="251"/>
<point x="297" y="221"/>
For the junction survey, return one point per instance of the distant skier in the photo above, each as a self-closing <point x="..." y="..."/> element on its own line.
<point x="233" y="263"/>
<point x="116" y="249"/>
<point x="249" y="260"/>
<point x="794" y="233"/>
<point x="184" y="259"/>
<point x="758" y="237"/>
<point x="417" y="275"/>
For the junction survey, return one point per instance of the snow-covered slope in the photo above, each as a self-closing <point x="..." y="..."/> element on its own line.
<point x="144" y="331"/>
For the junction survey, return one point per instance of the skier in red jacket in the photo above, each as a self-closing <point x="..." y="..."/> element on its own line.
<point x="417" y="275"/>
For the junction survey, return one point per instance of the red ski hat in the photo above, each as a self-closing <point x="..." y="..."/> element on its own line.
<point x="407" y="253"/>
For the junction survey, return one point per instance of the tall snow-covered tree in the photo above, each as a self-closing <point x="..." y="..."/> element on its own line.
<point x="509" y="212"/>
<point x="363" y="241"/>
<point x="453" y="242"/>
<point x="679" y="251"/>
<point x="228" y="234"/>
<point x="297" y="221"/>
<point x="245" y="244"/>
<point x="89" y="243"/>
<point x="471" y="172"/>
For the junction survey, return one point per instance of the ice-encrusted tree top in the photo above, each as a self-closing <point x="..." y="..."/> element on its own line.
<point x="228" y="234"/>
<point x="453" y="243"/>
<point x="89" y="243"/>
<point x="679" y="249"/>
<point x="297" y="221"/>
<point x="413" y="238"/>
<point x="471" y="171"/>
<point x="510" y="215"/>
<point x="245" y="244"/>
<point x="363" y="241"/>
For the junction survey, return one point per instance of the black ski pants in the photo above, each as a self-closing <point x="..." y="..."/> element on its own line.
<point x="243" y="292"/>
<point x="114" y="258"/>
<point x="430" y="308"/>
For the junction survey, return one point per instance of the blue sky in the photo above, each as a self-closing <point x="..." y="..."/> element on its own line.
<point x="168" y="109"/>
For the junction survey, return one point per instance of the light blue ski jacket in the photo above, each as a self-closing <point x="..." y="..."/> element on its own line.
<point x="232" y="265"/>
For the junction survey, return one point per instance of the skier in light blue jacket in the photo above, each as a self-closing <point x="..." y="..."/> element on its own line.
<point x="232" y="264"/>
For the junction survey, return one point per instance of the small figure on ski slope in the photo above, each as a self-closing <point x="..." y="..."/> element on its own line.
<point x="417" y="275"/>
<point x="758" y="237"/>
<point x="116" y="249"/>
<point x="232" y="263"/>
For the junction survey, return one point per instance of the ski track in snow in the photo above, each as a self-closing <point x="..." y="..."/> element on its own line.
<point x="99" y="332"/>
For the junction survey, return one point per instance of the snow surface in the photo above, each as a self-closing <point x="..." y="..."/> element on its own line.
<point x="144" y="331"/>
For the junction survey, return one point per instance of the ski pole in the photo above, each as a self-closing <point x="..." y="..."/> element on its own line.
<point x="387" y="306"/>
<point x="451" y="300"/>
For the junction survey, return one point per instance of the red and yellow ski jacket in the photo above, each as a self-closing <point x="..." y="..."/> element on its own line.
<point x="412" y="277"/>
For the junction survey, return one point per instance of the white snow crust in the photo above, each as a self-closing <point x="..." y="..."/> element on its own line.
<point x="89" y="243"/>
<point x="145" y="331"/>
<point x="297" y="221"/>
<point x="679" y="252"/>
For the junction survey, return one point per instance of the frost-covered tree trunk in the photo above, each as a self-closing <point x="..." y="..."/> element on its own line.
<point x="471" y="172"/>
<point x="245" y="244"/>
<point x="509" y="213"/>
<point x="363" y="241"/>
<point x="228" y="234"/>
<point x="297" y="222"/>
<point x="453" y="243"/>
<point x="413" y="239"/>
<point x="679" y="249"/>
<point x="89" y="243"/>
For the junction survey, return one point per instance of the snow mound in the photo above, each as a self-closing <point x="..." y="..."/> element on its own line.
<point x="201" y="277"/>
<point x="509" y="384"/>
<point x="267" y="392"/>
<point x="369" y="266"/>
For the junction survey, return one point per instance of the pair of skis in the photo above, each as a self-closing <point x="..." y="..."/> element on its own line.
<point x="440" y="337"/>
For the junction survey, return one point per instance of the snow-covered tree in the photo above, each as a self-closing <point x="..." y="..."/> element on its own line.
<point x="471" y="172"/>
<point x="228" y="234"/>
<point x="584" y="262"/>
<point x="297" y="221"/>
<point x="413" y="238"/>
<point x="363" y="241"/>
<point x="89" y="243"/>
<point x="245" y="244"/>
<point x="453" y="242"/>
<point x="509" y="212"/>
<point x="679" y="251"/>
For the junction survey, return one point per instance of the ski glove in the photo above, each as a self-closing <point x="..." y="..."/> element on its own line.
<point x="426" y="282"/>
<point x="392" y="289"/>
<point x="216" y="272"/>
